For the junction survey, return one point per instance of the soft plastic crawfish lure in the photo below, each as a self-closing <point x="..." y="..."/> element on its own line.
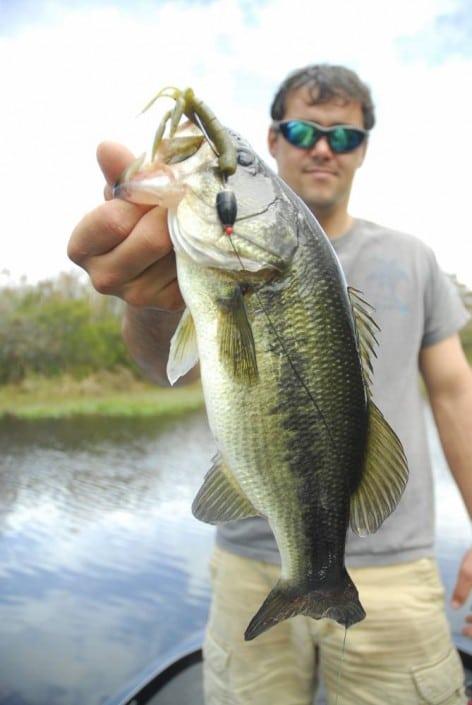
<point x="186" y="103"/>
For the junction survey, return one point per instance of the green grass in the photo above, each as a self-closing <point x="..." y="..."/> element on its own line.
<point x="105" y="394"/>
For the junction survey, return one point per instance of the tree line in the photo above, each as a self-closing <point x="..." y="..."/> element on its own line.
<point x="62" y="325"/>
<point x="58" y="326"/>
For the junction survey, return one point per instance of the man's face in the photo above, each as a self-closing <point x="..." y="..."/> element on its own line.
<point x="320" y="177"/>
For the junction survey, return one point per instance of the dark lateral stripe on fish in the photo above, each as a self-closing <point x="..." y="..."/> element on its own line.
<point x="298" y="413"/>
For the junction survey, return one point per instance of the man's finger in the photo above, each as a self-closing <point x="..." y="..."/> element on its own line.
<point x="461" y="592"/>
<point x="157" y="287"/>
<point x="464" y="581"/>
<point x="467" y="629"/>
<point x="103" y="229"/>
<point x="148" y="241"/>
<point x="113" y="158"/>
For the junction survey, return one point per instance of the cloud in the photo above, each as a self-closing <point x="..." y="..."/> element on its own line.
<point x="447" y="35"/>
<point x="79" y="73"/>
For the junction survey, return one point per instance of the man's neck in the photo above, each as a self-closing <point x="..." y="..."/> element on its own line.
<point x="334" y="223"/>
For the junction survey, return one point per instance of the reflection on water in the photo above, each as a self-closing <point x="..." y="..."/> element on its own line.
<point x="98" y="550"/>
<point x="97" y="547"/>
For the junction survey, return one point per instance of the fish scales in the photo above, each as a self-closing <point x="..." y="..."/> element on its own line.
<point x="315" y="465"/>
<point x="282" y="348"/>
<point x="316" y="454"/>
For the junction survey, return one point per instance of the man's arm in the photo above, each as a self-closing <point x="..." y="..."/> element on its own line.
<point x="147" y="334"/>
<point x="126" y="250"/>
<point x="448" y="379"/>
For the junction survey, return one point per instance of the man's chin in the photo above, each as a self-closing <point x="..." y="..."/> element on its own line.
<point x="320" y="205"/>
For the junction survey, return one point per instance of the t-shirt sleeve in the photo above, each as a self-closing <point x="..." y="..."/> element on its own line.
<point x="445" y="313"/>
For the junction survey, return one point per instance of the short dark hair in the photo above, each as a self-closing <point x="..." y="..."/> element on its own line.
<point x="326" y="82"/>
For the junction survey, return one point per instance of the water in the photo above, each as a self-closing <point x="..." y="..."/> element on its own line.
<point x="98" y="551"/>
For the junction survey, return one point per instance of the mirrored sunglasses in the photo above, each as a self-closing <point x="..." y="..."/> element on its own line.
<point x="304" y="134"/>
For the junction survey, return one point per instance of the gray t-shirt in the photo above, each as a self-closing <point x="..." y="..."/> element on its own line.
<point x="415" y="305"/>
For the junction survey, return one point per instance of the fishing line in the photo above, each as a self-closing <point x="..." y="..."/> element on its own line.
<point x="281" y="343"/>
<point x="205" y="133"/>
<point x="226" y="208"/>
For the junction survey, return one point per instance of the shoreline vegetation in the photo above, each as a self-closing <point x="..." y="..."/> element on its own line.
<point x="113" y="394"/>
<point x="62" y="355"/>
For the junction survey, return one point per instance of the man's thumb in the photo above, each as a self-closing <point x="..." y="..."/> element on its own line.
<point x="113" y="158"/>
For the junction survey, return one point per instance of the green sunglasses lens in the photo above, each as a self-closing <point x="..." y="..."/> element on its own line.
<point x="305" y="134"/>
<point x="344" y="139"/>
<point x="339" y="139"/>
<point x="300" y="134"/>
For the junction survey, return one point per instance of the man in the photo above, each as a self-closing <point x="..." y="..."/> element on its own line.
<point x="402" y="651"/>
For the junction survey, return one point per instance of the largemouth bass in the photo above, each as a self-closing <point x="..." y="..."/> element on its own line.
<point x="284" y="348"/>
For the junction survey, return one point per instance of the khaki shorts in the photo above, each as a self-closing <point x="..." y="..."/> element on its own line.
<point x="400" y="654"/>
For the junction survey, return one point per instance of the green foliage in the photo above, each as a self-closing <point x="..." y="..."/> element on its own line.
<point x="62" y="326"/>
<point x="58" y="326"/>
<point x="466" y="332"/>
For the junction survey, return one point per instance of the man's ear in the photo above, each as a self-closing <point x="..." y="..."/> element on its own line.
<point x="272" y="139"/>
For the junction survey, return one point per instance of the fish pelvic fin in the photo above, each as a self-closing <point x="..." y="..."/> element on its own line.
<point x="220" y="498"/>
<point x="384" y="476"/>
<point x="183" y="352"/>
<point x="286" y="600"/>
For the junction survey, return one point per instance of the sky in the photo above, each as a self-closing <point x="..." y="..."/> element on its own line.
<point x="77" y="72"/>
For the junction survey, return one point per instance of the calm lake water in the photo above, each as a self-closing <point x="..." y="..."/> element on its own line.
<point x="98" y="549"/>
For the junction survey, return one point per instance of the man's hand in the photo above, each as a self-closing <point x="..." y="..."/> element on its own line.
<point x="462" y="589"/>
<point x="124" y="247"/>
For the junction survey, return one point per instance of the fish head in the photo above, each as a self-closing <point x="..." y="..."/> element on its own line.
<point x="185" y="177"/>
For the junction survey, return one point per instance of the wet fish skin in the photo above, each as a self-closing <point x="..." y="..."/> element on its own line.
<point x="285" y="374"/>
<point x="286" y="442"/>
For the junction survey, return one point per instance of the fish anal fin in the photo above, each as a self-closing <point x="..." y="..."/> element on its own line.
<point x="384" y="476"/>
<point x="183" y="353"/>
<point x="220" y="498"/>
<point x="235" y="339"/>
<point x="367" y="329"/>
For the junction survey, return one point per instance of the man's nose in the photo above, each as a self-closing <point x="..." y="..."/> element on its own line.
<point x="321" y="148"/>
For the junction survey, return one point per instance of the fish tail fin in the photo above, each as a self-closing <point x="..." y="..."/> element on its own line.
<point x="286" y="599"/>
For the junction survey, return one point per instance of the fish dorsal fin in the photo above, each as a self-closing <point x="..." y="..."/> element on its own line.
<point x="384" y="476"/>
<point x="220" y="498"/>
<point x="183" y="353"/>
<point x="366" y="329"/>
<point x="236" y="342"/>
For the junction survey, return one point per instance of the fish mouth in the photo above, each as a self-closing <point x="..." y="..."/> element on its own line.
<point x="120" y="191"/>
<point x="153" y="185"/>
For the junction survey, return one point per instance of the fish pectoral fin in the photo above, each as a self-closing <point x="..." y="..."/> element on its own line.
<point x="237" y="351"/>
<point x="183" y="353"/>
<point x="366" y="329"/>
<point x="220" y="498"/>
<point x="384" y="476"/>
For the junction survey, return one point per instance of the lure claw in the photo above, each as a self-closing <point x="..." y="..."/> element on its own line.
<point x="199" y="113"/>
